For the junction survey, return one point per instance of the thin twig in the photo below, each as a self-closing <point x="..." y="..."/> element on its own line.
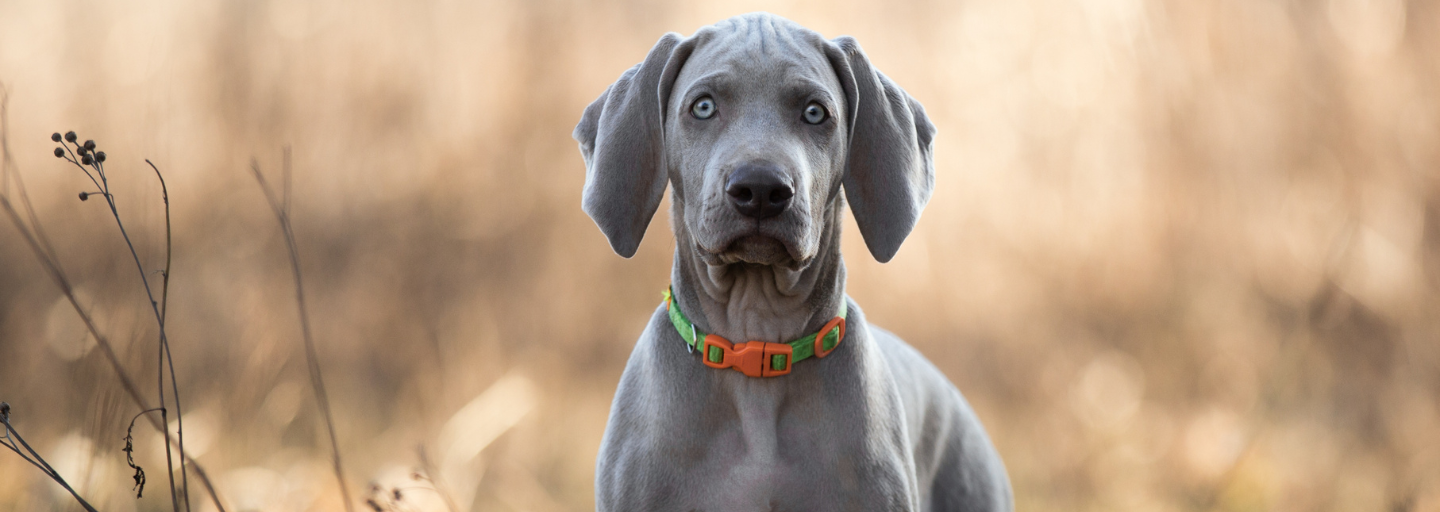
<point x="5" y="410"/>
<point x="281" y="208"/>
<point x="164" y="308"/>
<point x="14" y="435"/>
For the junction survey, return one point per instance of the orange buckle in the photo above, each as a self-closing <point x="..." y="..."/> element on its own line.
<point x="752" y="358"/>
<point x="820" y="336"/>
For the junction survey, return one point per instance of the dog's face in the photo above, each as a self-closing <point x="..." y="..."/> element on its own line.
<point x="756" y="136"/>
<point x="758" y="123"/>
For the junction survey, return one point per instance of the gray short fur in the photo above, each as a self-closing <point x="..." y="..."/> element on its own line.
<point x="874" y="426"/>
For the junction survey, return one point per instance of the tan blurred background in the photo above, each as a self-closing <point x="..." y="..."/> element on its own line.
<point x="1181" y="255"/>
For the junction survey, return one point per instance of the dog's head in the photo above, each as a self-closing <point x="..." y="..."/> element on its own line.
<point x="759" y="123"/>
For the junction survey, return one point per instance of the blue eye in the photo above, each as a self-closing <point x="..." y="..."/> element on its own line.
<point x="815" y="114"/>
<point x="703" y="108"/>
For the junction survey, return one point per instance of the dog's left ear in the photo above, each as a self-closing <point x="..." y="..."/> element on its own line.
<point x="621" y="138"/>
<point x="889" y="171"/>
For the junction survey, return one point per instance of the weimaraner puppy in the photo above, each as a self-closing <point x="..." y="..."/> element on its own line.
<point x="758" y="385"/>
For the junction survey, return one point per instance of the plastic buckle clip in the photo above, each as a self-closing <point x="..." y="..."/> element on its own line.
<point x="752" y="358"/>
<point x="834" y="323"/>
<point x="767" y="367"/>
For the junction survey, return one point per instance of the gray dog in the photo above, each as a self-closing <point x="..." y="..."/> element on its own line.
<point x="759" y="124"/>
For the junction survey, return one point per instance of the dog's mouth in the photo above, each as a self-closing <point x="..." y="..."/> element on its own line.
<point x="753" y="249"/>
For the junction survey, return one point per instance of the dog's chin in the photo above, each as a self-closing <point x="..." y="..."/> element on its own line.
<point x="755" y="250"/>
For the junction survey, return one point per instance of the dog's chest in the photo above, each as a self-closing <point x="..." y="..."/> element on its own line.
<point x="779" y="461"/>
<point x="711" y="440"/>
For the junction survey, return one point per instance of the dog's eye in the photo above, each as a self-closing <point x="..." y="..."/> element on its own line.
<point x="815" y="114"/>
<point x="703" y="108"/>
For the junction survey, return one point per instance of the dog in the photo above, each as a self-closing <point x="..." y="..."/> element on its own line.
<point x="758" y="385"/>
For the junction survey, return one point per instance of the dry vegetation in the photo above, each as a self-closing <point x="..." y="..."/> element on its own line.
<point x="1182" y="255"/>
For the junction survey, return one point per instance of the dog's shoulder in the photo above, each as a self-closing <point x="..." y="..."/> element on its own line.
<point x="953" y="454"/>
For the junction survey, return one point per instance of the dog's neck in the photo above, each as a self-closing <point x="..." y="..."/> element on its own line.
<point x="750" y="302"/>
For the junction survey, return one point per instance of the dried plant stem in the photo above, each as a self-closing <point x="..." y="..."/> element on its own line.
<point x="103" y="183"/>
<point x="130" y="453"/>
<point x="34" y="236"/>
<point x="165" y="346"/>
<point x="34" y="458"/>
<point x="280" y="205"/>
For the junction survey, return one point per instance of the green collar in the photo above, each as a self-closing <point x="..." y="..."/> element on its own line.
<point x="756" y="358"/>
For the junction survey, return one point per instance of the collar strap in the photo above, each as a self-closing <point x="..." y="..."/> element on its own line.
<point x="756" y="358"/>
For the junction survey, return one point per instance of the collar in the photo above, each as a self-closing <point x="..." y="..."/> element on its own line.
<point x="756" y="358"/>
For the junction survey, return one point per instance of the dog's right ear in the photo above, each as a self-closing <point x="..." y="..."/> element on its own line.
<point x="621" y="136"/>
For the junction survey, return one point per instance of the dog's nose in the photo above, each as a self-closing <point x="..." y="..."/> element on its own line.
<point x="759" y="191"/>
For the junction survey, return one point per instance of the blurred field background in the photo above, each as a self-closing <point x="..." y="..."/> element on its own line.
<point x="1182" y="256"/>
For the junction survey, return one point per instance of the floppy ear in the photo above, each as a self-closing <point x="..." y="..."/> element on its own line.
<point x="889" y="171"/>
<point x="621" y="136"/>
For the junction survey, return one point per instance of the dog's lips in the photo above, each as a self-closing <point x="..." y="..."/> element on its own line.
<point x="755" y="249"/>
<point x="760" y="250"/>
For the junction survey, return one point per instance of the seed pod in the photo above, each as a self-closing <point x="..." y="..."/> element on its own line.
<point x="59" y="153"/>
<point x="86" y="160"/>
<point x="84" y="196"/>
<point x="70" y="136"/>
<point x="90" y="145"/>
<point x="100" y="157"/>
<point x="55" y="136"/>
